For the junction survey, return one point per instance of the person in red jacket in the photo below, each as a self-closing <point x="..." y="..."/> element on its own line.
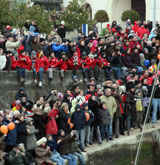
<point x="53" y="63"/>
<point x="23" y="63"/>
<point x="74" y="63"/>
<point x="135" y="27"/>
<point x="105" y="65"/>
<point x="141" y="31"/>
<point x="51" y="126"/>
<point x="63" y="65"/>
<point x="41" y="65"/>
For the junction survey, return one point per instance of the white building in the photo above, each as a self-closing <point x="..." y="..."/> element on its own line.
<point x="148" y="9"/>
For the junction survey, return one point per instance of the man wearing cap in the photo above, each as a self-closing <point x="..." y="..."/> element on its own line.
<point x="111" y="104"/>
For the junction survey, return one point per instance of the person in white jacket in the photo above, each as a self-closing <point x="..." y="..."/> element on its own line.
<point x="12" y="45"/>
<point x="3" y="59"/>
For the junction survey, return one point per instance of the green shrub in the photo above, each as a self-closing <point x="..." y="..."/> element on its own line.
<point x="101" y="16"/>
<point x="130" y="14"/>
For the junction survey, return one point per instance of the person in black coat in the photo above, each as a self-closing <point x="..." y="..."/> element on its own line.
<point x="40" y="121"/>
<point x="104" y="120"/>
<point x="116" y="64"/>
<point x="20" y="94"/>
<point x="21" y="130"/>
<point x="130" y="110"/>
<point x="93" y="105"/>
<point x="62" y="31"/>
<point x="79" y="119"/>
<point x="64" y="118"/>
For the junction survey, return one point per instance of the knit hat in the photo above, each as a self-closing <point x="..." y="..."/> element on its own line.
<point x="41" y="141"/>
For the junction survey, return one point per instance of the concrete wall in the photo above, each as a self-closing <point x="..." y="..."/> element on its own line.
<point x="9" y="85"/>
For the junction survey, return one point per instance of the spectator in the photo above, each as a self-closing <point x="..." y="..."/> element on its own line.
<point x="41" y="65"/>
<point x="3" y="59"/>
<point x="110" y="102"/>
<point x="12" y="45"/>
<point x="78" y="119"/>
<point x="18" y="156"/>
<point x="43" y="153"/>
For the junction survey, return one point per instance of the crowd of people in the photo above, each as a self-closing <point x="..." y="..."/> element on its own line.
<point x="50" y="129"/>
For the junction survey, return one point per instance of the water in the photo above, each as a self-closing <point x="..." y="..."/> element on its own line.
<point x="124" y="155"/>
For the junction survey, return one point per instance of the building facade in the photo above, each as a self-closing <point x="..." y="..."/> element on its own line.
<point x="148" y="9"/>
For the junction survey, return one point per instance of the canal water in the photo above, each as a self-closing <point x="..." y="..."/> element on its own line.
<point x="124" y="155"/>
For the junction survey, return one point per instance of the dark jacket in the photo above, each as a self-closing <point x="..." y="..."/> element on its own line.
<point x="136" y="59"/>
<point x="17" y="159"/>
<point x="21" y="132"/>
<point x="157" y="92"/>
<point x="116" y="61"/>
<point x="130" y="105"/>
<point x="104" y="117"/>
<point x="127" y="60"/>
<point x="62" y="122"/>
<point x="94" y="107"/>
<point x="19" y="95"/>
<point x="68" y="145"/>
<point x="119" y="103"/>
<point x="78" y="119"/>
<point x="39" y="122"/>
<point x="11" y="137"/>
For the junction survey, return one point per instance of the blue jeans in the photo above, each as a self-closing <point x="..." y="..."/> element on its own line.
<point x="81" y="137"/>
<point x="128" y="123"/>
<point x="87" y="134"/>
<point x="56" y="157"/>
<point x="109" y="129"/>
<point x="80" y="157"/>
<point x="104" y="131"/>
<point x="38" y="74"/>
<point x="98" y="133"/>
<point x="21" y="72"/>
<point x="156" y="105"/>
<point x="117" y="71"/>
<point x="72" y="159"/>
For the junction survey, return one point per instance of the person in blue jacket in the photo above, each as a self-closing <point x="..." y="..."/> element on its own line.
<point x="79" y="120"/>
<point x="58" y="48"/>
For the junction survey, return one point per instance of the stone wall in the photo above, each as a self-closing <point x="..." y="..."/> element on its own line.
<point x="9" y="85"/>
